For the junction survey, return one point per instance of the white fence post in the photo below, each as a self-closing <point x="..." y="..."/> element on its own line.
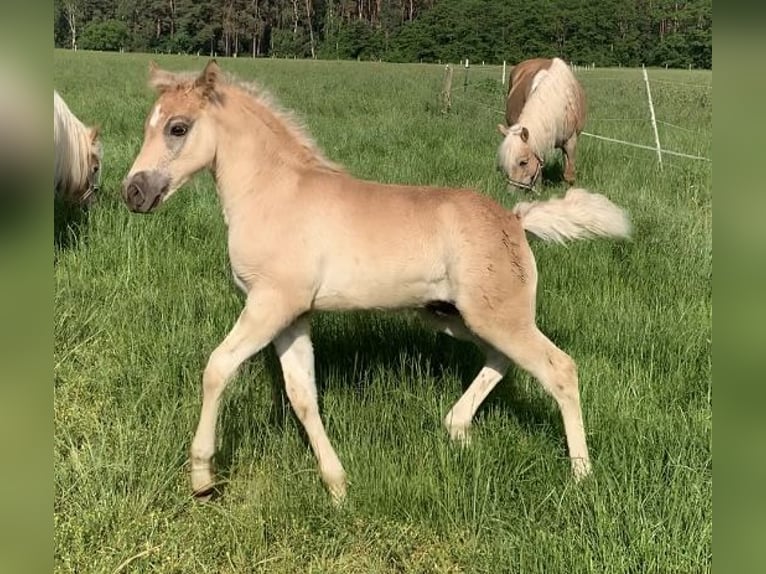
<point x="654" y="119"/>
<point x="503" y="72"/>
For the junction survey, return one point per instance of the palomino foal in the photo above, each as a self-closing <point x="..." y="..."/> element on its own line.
<point x="304" y="235"/>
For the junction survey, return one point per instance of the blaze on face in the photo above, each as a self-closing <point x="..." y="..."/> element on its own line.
<point x="179" y="138"/>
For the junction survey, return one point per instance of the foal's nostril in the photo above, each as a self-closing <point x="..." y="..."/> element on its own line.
<point x="135" y="194"/>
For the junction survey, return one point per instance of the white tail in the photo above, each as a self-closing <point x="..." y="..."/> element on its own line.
<point x="578" y="215"/>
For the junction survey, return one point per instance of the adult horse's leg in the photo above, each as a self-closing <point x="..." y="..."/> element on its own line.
<point x="570" y="150"/>
<point x="296" y="354"/>
<point x="458" y="419"/>
<point x="266" y="313"/>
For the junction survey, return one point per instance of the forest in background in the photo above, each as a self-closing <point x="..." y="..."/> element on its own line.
<point x="672" y="33"/>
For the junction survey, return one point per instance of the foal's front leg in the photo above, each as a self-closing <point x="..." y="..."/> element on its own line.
<point x="296" y="355"/>
<point x="265" y="314"/>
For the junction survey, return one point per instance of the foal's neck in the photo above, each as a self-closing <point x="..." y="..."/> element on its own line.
<point x="252" y="162"/>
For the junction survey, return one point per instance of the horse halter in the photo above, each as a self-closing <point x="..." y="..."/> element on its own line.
<point x="92" y="191"/>
<point x="529" y="186"/>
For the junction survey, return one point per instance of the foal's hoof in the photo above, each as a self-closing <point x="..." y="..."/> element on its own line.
<point x="203" y="484"/>
<point x="204" y="495"/>
<point x="580" y="469"/>
<point x="338" y="494"/>
<point x="336" y="486"/>
<point x="460" y="434"/>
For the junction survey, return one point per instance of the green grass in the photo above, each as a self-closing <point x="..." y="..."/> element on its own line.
<point x="141" y="301"/>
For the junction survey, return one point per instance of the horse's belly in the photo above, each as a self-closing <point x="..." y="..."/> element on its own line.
<point x="382" y="286"/>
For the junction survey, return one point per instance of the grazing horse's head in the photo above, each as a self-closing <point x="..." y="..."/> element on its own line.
<point x="517" y="158"/>
<point x="179" y="137"/>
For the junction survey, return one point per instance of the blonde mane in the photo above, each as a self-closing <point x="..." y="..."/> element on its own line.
<point x="281" y="121"/>
<point x="554" y="105"/>
<point x="73" y="146"/>
<point x="290" y="124"/>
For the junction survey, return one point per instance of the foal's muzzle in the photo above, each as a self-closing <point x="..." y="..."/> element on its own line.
<point x="144" y="191"/>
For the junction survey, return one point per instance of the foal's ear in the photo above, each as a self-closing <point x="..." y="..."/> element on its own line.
<point x="160" y="80"/>
<point x="209" y="77"/>
<point x="94" y="133"/>
<point x="503" y="129"/>
<point x="524" y="134"/>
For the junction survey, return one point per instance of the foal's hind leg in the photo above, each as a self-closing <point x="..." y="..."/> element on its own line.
<point x="296" y="354"/>
<point x="557" y="372"/>
<point x="531" y="350"/>
<point x="265" y="314"/>
<point x="458" y="419"/>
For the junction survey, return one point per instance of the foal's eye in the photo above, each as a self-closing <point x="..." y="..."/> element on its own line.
<point x="178" y="130"/>
<point x="523" y="162"/>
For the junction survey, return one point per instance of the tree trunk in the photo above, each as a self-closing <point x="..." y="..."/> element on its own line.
<point x="172" y="19"/>
<point x="311" y="29"/>
<point x="295" y="19"/>
<point x="256" y="21"/>
<point x="71" y="17"/>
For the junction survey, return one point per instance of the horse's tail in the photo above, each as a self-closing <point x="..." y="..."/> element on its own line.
<point x="578" y="215"/>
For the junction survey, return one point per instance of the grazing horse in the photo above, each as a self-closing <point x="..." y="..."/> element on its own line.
<point x="78" y="151"/>
<point x="545" y="109"/>
<point x="304" y="235"/>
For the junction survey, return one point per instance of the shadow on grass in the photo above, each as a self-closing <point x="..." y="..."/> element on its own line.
<point x="69" y="220"/>
<point x="553" y="171"/>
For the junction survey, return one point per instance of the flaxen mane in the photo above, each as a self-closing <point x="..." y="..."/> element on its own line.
<point x="554" y="109"/>
<point x="521" y="83"/>
<point x="77" y="152"/>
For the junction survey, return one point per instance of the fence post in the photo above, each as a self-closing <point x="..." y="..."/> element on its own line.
<point x="447" y="90"/>
<point x="503" y="72"/>
<point x="465" y="79"/>
<point x="654" y="119"/>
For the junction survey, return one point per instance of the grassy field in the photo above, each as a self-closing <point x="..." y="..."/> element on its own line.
<point x="141" y="301"/>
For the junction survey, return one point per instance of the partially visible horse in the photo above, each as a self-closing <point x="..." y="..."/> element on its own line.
<point x="78" y="153"/>
<point x="305" y="236"/>
<point x="545" y="109"/>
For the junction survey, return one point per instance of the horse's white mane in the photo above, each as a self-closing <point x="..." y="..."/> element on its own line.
<point x="72" y="149"/>
<point x="553" y="100"/>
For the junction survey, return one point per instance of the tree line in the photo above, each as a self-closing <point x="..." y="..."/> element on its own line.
<point x="674" y="33"/>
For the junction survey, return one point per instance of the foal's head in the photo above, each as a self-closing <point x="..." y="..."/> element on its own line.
<point x="179" y="136"/>
<point x="520" y="162"/>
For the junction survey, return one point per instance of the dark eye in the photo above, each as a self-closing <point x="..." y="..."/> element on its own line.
<point x="95" y="169"/>
<point x="523" y="162"/>
<point x="179" y="130"/>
